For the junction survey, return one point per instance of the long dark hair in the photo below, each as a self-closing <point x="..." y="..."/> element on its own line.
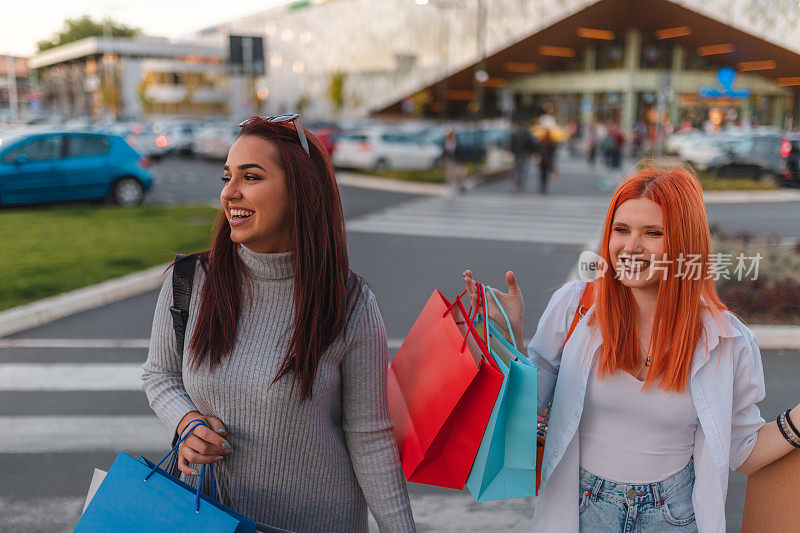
<point x="325" y="290"/>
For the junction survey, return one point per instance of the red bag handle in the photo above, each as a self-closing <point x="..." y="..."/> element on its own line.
<point x="470" y="327"/>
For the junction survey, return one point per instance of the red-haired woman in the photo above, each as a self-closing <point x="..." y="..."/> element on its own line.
<point x="286" y="353"/>
<point x="654" y="394"/>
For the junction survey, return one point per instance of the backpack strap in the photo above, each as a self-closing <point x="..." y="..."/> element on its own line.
<point x="182" y="276"/>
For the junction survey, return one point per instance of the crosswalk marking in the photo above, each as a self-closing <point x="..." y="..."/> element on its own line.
<point x="70" y="377"/>
<point x="63" y="434"/>
<point x="552" y="219"/>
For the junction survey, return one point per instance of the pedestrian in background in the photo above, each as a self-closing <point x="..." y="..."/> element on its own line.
<point x="452" y="169"/>
<point x="547" y="160"/>
<point x="654" y="396"/>
<point x="286" y="353"/>
<point x="594" y="135"/>
<point x="523" y="146"/>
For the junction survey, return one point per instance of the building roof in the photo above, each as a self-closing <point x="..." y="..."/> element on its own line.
<point x="616" y="17"/>
<point x="138" y="46"/>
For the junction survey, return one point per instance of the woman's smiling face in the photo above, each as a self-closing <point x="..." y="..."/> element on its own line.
<point x="636" y="241"/>
<point x="255" y="197"/>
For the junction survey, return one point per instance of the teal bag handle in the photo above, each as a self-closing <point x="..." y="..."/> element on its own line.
<point x="503" y="311"/>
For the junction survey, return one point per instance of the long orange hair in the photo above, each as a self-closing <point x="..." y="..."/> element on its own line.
<point x="677" y="325"/>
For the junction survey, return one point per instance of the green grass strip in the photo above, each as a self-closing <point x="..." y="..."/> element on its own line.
<point x="51" y="250"/>
<point x="710" y="182"/>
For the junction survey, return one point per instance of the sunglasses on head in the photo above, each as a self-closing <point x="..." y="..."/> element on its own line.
<point x="287" y="117"/>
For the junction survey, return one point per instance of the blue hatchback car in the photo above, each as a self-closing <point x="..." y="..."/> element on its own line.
<point x="66" y="166"/>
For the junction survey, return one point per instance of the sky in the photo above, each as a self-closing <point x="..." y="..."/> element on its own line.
<point x="23" y="23"/>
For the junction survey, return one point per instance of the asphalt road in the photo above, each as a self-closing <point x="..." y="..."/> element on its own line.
<point x="55" y="438"/>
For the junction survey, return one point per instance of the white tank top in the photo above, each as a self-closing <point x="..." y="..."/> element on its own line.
<point x="634" y="436"/>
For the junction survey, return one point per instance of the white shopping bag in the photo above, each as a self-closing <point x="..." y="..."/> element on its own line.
<point x="97" y="478"/>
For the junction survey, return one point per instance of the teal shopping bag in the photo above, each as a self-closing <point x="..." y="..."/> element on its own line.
<point x="137" y="495"/>
<point x="505" y="466"/>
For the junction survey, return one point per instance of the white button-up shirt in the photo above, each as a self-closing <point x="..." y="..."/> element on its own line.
<point x="726" y="382"/>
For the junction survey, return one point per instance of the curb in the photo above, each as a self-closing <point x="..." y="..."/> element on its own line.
<point x="777" y="337"/>
<point x="746" y="197"/>
<point x="49" y="309"/>
<point x="390" y="184"/>
<point x="361" y="181"/>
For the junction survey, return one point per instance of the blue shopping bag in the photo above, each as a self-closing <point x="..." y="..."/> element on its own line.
<point x="505" y="466"/>
<point x="137" y="495"/>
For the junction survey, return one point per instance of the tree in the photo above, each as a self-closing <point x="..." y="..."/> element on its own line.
<point x="336" y="90"/>
<point x="80" y="28"/>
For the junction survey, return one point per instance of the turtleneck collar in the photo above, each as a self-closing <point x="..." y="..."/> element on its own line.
<point x="267" y="266"/>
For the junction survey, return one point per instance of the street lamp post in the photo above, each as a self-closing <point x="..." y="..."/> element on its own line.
<point x="480" y="72"/>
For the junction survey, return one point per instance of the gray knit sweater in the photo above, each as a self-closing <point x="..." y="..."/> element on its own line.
<point x="309" y="466"/>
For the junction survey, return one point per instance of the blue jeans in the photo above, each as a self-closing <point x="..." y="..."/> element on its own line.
<point x="666" y="506"/>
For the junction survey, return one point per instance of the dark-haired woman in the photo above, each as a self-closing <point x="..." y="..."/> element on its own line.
<point x="286" y="353"/>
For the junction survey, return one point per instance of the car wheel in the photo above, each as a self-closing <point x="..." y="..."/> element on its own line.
<point x="767" y="176"/>
<point x="127" y="192"/>
<point x="382" y="164"/>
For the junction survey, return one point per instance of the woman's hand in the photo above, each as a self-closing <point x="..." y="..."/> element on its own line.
<point x="204" y="445"/>
<point x="511" y="302"/>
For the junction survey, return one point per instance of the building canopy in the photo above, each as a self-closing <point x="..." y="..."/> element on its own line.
<point x="562" y="46"/>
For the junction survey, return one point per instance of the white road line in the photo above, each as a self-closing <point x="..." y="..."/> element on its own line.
<point x="70" y="377"/>
<point x="102" y="343"/>
<point x="60" y="434"/>
<point x="75" y="343"/>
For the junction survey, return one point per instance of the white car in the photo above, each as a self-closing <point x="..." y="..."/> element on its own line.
<point x="384" y="149"/>
<point x="180" y="136"/>
<point x="214" y="140"/>
<point x="142" y="137"/>
<point x="703" y="150"/>
<point x="677" y="141"/>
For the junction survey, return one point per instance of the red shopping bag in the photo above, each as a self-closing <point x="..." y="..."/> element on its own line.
<point x="442" y="388"/>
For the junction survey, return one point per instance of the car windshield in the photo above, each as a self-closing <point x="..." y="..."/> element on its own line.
<point x="9" y="138"/>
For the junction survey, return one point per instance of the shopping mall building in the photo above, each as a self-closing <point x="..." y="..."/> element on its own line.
<point x="580" y="59"/>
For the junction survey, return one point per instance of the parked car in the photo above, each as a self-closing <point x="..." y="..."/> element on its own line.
<point x="65" y="166"/>
<point x="383" y="149"/>
<point x="790" y="168"/>
<point x="326" y="132"/>
<point x="470" y="143"/>
<point x="752" y="155"/>
<point x="213" y="141"/>
<point x="180" y="136"/>
<point x="142" y="137"/>
<point x="705" y="150"/>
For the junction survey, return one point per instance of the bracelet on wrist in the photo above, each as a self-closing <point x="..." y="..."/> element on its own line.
<point x="788" y="416"/>
<point x="785" y="431"/>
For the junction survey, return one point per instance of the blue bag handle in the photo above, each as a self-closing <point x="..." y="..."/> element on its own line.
<point x="174" y="453"/>
<point x="503" y="311"/>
